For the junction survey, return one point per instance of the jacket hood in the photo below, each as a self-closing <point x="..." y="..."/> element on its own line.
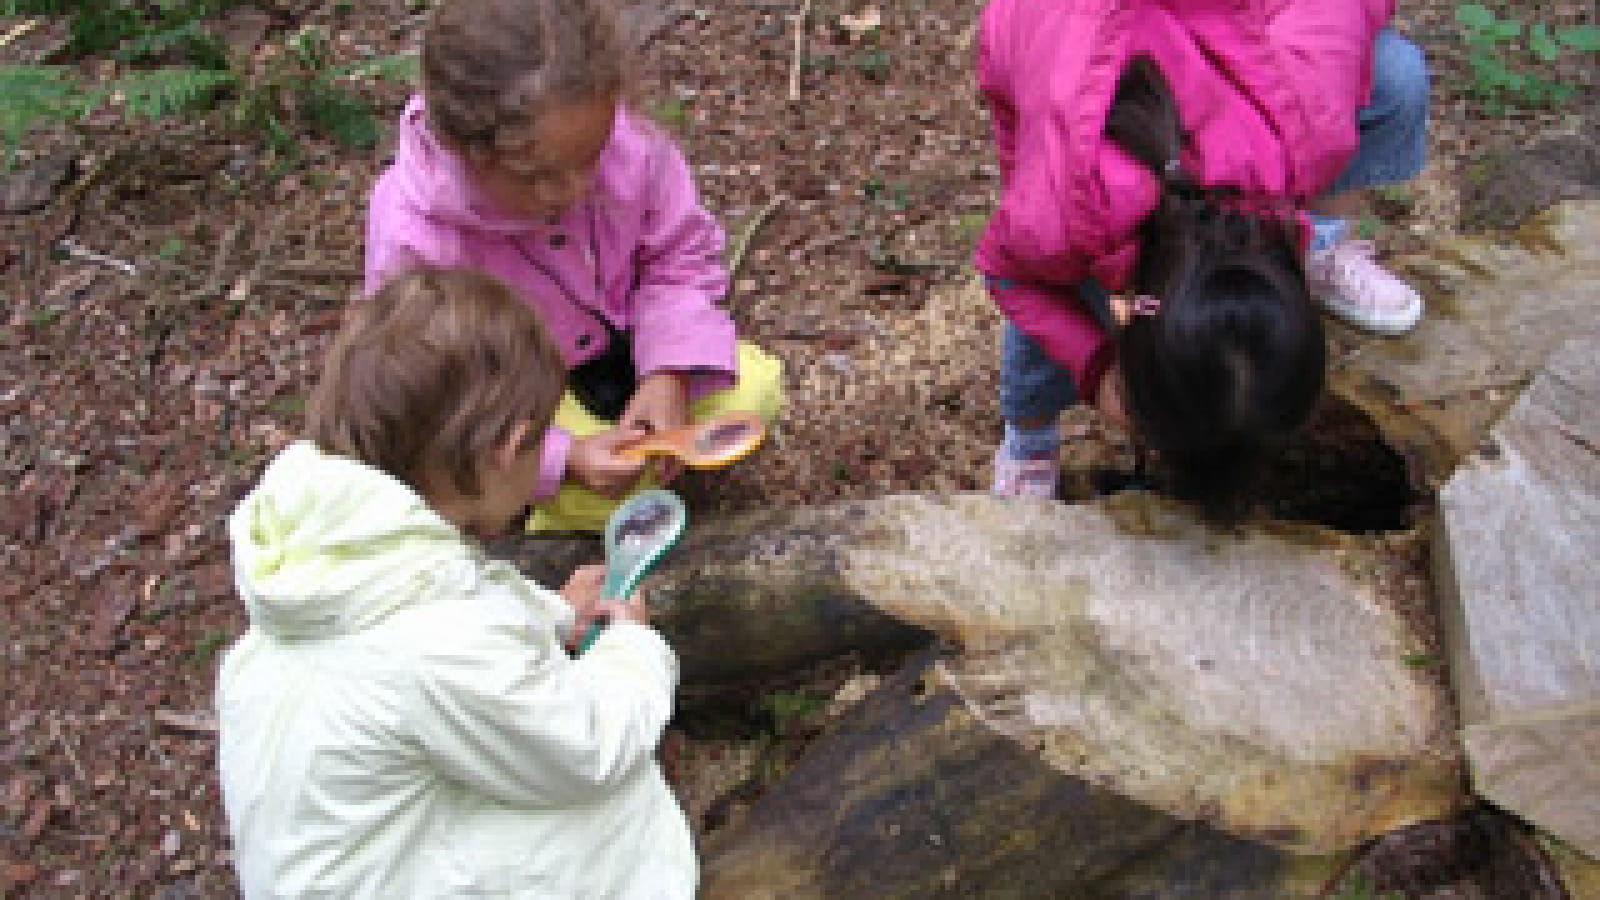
<point x="435" y="181"/>
<point x="325" y="545"/>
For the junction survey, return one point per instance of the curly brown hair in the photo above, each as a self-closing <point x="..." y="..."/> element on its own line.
<point x="431" y="373"/>
<point x="490" y="66"/>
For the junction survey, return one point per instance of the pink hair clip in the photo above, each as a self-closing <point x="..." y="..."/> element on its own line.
<point x="1144" y="305"/>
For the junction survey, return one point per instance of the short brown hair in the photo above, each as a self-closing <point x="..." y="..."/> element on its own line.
<point x="431" y="373"/>
<point x="491" y="65"/>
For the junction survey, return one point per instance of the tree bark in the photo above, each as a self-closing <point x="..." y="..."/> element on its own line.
<point x="913" y="797"/>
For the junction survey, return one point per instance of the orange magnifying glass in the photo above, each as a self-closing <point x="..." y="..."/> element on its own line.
<point x="708" y="444"/>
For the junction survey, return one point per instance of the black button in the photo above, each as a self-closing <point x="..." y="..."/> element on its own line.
<point x="585" y="340"/>
<point x="558" y="241"/>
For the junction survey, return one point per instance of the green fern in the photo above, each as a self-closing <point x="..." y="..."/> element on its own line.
<point x="35" y="95"/>
<point x="403" y="67"/>
<point x="190" y="40"/>
<point x="341" y="115"/>
<point x="153" y="93"/>
<point x="31" y="96"/>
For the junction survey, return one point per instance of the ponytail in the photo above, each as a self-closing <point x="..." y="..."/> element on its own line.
<point x="1233" y="361"/>
<point x="1144" y="118"/>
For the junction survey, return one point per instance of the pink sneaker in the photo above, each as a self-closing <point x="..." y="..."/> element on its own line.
<point x="1358" y="290"/>
<point x="1025" y="477"/>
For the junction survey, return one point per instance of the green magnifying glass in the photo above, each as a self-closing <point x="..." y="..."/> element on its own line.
<point x="638" y="533"/>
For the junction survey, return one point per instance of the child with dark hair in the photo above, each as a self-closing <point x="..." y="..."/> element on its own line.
<point x="1199" y="160"/>
<point x="521" y="157"/>
<point x="401" y="719"/>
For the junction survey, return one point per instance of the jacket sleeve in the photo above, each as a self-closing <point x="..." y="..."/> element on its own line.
<point x="997" y="96"/>
<point x="553" y="453"/>
<point x="677" y="324"/>
<point x="507" y="712"/>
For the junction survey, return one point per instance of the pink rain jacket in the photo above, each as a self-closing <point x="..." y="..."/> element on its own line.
<point x="639" y="249"/>
<point x="1267" y="89"/>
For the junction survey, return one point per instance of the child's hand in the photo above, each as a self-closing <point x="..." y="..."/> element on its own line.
<point x="632" y="608"/>
<point x="1109" y="400"/>
<point x="582" y="593"/>
<point x="660" y="403"/>
<point x="594" y="462"/>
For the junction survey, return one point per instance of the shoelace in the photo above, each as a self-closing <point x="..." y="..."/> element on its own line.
<point x="1351" y="266"/>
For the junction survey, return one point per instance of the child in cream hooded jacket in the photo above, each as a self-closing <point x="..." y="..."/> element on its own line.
<point x="401" y="720"/>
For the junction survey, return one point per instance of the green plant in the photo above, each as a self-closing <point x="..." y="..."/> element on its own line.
<point x="302" y="83"/>
<point x="30" y="94"/>
<point x="893" y="196"/>
<point x="1358" y="888"/>
<point x="1368" y="226"/>
<point x="300" y="87"/>
<point x="1509" y="59"/>
<point x="288" y="404"/>
<point x="786" y="708"/>
<point x="671" y="112"/>
<point x="971" y="224"/>
<point x="873" y="63"/>
<point x="206" y="647"/>
<point x="135" y="31"/>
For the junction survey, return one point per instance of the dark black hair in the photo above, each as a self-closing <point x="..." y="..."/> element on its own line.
<point x="1233" y="362"/>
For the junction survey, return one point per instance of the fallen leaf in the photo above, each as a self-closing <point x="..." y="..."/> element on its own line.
<point x="20" y="873"/>
<point x="863" y="23"/>
<point x="117" y="603"/>
<point x="38" y="818"/>
<point x="156" y="503"/>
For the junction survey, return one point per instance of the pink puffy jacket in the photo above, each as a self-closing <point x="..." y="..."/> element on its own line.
<point x="1268" y="91"/>
<point x="639" y="250"/>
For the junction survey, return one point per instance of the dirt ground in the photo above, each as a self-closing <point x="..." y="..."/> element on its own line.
<point x="162" y="315"/>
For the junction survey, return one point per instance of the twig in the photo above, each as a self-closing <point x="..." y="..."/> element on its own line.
<point x="219" y="261"/>
<point x="19" y="30"/>
<point x="72" y="248"/>
<point x="798" y="60"/>
<point x="61" y="738"/>
<point x="74" y="192"/>
<point x="197" y="723"/>
<point x="314" y="292"/>
<point x="742" y="243"/>
<point x="263" y="249"/>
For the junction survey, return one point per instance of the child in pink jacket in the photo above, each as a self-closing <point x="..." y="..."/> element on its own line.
<point x="1197" y="157"/>
<point x="520" y="158"/>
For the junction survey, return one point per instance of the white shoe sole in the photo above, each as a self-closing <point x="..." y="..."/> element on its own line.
<point x="1392" y="325"/>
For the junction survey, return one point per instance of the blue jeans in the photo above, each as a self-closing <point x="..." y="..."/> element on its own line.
<point x="1393" y="147"/>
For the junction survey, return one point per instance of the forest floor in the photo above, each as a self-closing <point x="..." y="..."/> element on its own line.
<point x="164" y="311"/>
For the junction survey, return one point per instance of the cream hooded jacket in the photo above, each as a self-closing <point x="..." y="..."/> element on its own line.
<point x="400" y="720"/>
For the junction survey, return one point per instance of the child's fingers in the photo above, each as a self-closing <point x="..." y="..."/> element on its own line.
<point x="632" y="608"/>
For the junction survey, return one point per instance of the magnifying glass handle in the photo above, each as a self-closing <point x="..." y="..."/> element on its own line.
<point x="592" y="634"/>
